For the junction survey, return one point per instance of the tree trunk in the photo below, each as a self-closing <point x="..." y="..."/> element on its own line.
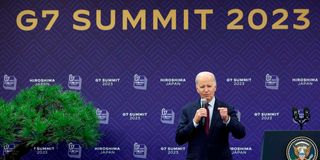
<point x="19" y="151"/>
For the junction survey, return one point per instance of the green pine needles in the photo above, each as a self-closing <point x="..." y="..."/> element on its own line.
<point x="47" y="114"/>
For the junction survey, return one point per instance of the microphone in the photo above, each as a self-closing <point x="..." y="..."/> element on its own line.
<point x="203" y="103"/>
<point x="306" y="114"/>
<point x="295" y="114"/>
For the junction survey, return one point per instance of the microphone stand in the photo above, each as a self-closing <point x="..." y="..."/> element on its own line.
<point x="298" y="119"/>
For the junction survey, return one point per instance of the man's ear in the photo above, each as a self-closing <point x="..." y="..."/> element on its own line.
<point x="197" y="89"/>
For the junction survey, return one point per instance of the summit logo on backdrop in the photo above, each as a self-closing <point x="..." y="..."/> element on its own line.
<point x="140" y="82"/>
<point x="272" y="82"/>
<point x="140" y="150"/>
<point x="7" y="148"/>
<point x="74" y="82"/>
<point x="74" y="150"/>
<point x="9" y="82"/>
<point x="103" y="116"/>
<point x="167" y="116"/>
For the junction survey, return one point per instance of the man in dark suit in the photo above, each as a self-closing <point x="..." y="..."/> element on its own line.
<point x="208" y="139"/>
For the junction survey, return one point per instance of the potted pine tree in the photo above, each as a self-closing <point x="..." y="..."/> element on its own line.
<point x="46" y="115"/>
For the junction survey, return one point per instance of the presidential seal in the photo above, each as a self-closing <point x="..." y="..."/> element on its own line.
<point x="302" y="148"/>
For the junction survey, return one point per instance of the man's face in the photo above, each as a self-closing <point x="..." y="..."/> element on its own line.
<point x="206" y="87"/>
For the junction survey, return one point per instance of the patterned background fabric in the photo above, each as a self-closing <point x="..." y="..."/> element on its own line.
<point x="169" y="59"/>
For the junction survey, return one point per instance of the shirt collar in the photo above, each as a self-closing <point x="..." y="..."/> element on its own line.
<point x="212" y="102"/>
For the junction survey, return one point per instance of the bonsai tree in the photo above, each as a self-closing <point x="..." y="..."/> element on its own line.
<point x="46" y="115"/>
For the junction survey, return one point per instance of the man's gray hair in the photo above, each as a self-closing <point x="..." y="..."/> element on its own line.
<point x="207" y="73"/>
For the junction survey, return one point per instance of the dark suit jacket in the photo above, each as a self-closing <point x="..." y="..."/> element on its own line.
<point x="215" y="146"/>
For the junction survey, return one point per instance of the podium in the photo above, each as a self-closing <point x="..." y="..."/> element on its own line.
<point x="287" y="145"/>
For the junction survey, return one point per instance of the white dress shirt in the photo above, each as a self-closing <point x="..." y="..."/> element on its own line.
<point x="210" y="108"/>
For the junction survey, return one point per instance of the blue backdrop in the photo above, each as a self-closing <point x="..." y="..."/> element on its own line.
<point x="140" y="79"/>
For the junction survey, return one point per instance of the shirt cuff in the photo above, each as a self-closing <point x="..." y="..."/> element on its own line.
<point x="195" y="124"/>
<point x="227" y="121"/>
